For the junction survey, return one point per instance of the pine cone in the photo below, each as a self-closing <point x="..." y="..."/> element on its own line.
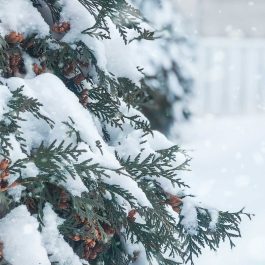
<point x="131" y="215"/>
<point x="176" y="209"/>
<point x="14" y="37"/>
<point x="61" y="27"/>
<point x="83" y="99"/>
<point x="175" y="202"/>
<point x="80" y="220"/>
<point x="4" y="185"/>
<point x="15" y="64"/>
<point x="69" y="68"/>
<point x="90" y="243"/>
<point x="98" y="234"/>
<point x="15" y="60"/>
<point x="108" y="230"/>
<point x="4" y="164"/>
<point x="39" y="69"/>
<point x="4" y="174"/>
<point x="90" y="254"/>
<point x="78" y="79"/>
<point x="76" y="238"/>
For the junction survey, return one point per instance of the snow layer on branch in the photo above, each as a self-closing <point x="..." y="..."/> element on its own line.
<point x="189" y="213"/>
<point x="80" y="19"/>
<point x="152" y="56"/>
<point x="214" y="217"/>
<point x="58" y="104"/>
<point x="122" y="59"/>
<point x="132" y="142"/>
<point x="59" y="251"/>
<point x="135" y="248"/>
<point x="19" y="233"/>
<point x="190" y="216"/>
<point x="20" y="16"/>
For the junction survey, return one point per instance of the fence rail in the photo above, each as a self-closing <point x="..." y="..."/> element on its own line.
<point x="231" y="77"/>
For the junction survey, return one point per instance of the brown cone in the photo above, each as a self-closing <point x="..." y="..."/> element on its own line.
<point x="14" y="37"/>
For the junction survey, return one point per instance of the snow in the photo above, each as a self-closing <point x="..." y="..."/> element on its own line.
<point x="47" y="88"/>
<point x="19" y="233"/>
<point x="122" y="59"/>
<point x="228" y="173"/>
<point x="20" y="16"/>
<point x="152" y="56"/>
<point x="58" y="104"/>
<point x="54" y="241"/>
<point x="189" y="214"/>
<point x="214" y="217"/>
<point x="80" y="19"/>
<point x="21" y="238"/>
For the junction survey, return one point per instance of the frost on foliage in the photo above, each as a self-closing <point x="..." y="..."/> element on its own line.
<point x="59" y="251"/>
<point x="21" y="238"/>
<point x="21" y="16"/>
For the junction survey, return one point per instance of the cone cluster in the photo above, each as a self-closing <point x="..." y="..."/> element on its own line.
<point x="61" y="27"/>
<point x="175" y="202"/>
<point x="4" y="174"/>
<point x="39" y="69"/>
<point x="14" y="37"/>
<point x="83" y="99"/>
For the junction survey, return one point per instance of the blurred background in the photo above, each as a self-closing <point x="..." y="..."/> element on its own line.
<point x="225" y="134"/>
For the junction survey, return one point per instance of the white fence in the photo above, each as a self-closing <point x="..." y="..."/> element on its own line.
<point x="231" y="77"/>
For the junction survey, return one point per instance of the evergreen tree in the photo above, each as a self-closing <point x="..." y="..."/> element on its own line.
<point x="169" y="67"/>
<point x="84" y="179"/>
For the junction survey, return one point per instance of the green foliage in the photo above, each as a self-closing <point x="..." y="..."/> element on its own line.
<point x="156" y="165"/>
<point x="227" y="227"/>
<point x="3" y="46"/>
<point x="159" y="234"/>
<point x="72" y="130"/>
<point x="123" y="15"/>
<point x="103" y="204"/>
<point x="55" y="161"/>
<point x="18" y="104"/>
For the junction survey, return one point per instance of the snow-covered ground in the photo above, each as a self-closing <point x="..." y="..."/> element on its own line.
<point x="228" y="171"/>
